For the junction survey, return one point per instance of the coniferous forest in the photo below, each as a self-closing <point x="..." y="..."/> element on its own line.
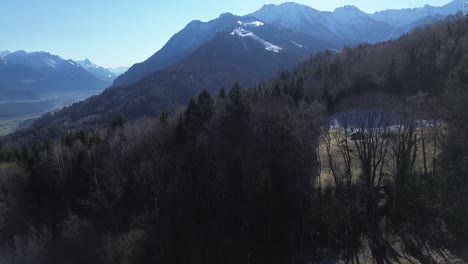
<point x="357" y="156"/>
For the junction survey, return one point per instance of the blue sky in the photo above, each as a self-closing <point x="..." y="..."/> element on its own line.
<point x="122" y="32"/>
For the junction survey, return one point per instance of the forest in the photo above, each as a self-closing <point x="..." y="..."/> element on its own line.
<point x="357" y="156"/>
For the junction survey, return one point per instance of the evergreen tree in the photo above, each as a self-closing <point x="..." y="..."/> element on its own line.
<point x="164" y="117"/>
<point x="118" y="122"/>
<point x="222" y="93"/>
<point x="238" y="108"/>
<point x="205" y="107"/>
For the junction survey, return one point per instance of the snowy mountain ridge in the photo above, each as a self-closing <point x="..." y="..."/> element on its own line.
<point x="105" y="74"/>
<point x="345" y="26"/>
<point x="349" y="22"/>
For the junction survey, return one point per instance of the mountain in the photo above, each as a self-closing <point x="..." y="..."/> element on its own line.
<point x="350" y="25"/>
<point x="118" y="70"/>
<point x="105" y="74"/>
<point x="232" y="49"/>
<point x="403" y="17"/>
<point x="416" y="24"/>
<point x="193" y="36"/>
<point x="29" y="76"/>
<point x="344" y="26"/>
<point x="251" y="51"/>
<point x="4" y="53"/>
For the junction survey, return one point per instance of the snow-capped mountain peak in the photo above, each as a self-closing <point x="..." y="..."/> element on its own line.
<point x="287" y="14"/>
<point x="36" y="59"/>
<point x="86" y="63"/>
<point x="98" y="71"/>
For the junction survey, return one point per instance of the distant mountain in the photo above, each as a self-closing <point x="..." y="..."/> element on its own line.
<point x="100" y="72"/>
<point x="404" y="17"/>
<point x="28" y="76"/>
<point x="4" y="53"/>
<point x="351" y="25"/>
<point x="118" y="70"/>
<point x="416" y="24"/>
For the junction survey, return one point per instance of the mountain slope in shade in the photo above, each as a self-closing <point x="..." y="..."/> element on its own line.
<point x="416" y="24"/>
<point x="43" y="75"/>
<point x="245" y="55"/>
<point x="193" y="36"/>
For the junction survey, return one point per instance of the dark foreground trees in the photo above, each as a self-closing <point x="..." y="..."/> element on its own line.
<point x="229" y="181"/>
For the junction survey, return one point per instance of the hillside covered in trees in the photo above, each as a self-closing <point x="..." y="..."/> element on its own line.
<point x="237" y="177"/>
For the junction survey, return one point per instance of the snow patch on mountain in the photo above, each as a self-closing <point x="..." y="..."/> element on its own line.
<point x="118" y="70"/>
<point x="297" y="44"/>
<point x="245" y="33"/>
<point x="50" y="62"/>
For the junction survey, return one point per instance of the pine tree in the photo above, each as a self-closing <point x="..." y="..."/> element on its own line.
<point x="118" y="122"/>
<point x="222" y="93"/>
<point x="205" y="107"/>
<point x="238" y="108"/>
<point x="164" y="118"/>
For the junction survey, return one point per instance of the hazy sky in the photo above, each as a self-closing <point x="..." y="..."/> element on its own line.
<point x="123" y="32"/>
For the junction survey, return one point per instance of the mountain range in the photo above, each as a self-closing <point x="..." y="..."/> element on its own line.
<point x="246" y="49"/>
<point x="344" y="26"/>
<point x="105" y="74"/>
<point x="41" y="75"/>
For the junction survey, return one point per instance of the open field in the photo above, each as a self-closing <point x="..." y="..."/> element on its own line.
<point x="326" y="175"/>
<point x="13" y="113"/>
<point x="8" y="126"/>
<point x="15" y="110"/>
